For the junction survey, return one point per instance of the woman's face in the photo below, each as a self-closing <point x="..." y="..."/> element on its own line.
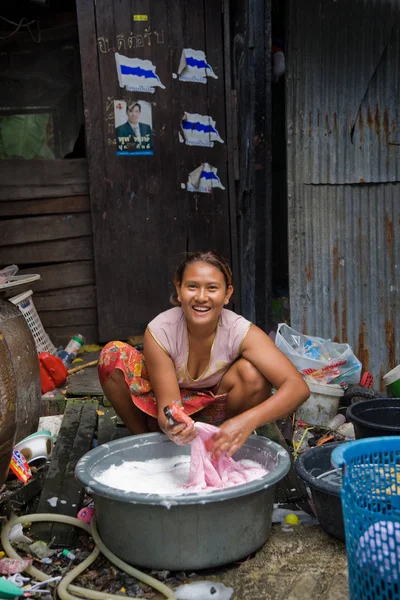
<point x="203" y="293"/>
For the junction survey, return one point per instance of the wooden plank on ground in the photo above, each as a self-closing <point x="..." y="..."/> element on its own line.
<point x="80" y="248"/>
<point x="20" y="172"/>
<point x="46" y="206"/>
<point x="108" y="429"/>
<point x="41" y="229"/>
<point x="69" y="318"/>
<point x="85" y="382"/>
<point x="60" y="336"/>
<point x="60" y="488"/>
<point x="63" y="275"/>
<point x="76" y="297"/>
<point x="26" y="192"/>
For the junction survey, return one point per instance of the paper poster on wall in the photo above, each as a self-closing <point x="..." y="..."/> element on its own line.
<point x="203" y="179"/>
<point x="133" y="128"/>
<point x="137" y="75"/>
<point x="194" y="67"/>
<point x="199" y="130"/>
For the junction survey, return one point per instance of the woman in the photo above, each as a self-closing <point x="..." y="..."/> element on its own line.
<point x="215" y="362"/>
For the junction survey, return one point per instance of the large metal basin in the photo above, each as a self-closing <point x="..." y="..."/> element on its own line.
<point x="195" y="531"/>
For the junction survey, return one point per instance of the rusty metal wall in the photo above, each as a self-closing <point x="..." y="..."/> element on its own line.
<point x="343" y="94"/>
<point x="344" y="68"/>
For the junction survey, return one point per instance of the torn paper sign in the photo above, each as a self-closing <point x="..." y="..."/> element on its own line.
<point x="199" y="130"/>
<point x="194" y="66"/>
<point x="203" y="179"/>
<point x="137" y="75"/>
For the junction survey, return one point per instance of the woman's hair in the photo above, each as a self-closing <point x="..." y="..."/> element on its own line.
<point x="212" y="258"/>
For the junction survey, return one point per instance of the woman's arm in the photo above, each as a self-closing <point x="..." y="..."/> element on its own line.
<point x="165" y="386"/>
<point x="281" y="373"/>
<point x="292" y="390"/>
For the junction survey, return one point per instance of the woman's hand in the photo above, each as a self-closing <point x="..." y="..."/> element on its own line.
<point x="232" y="435"/>
<point x="181" y="434"/>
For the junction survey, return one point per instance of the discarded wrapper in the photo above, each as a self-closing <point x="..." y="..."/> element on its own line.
<point x="10" y="566"/>
<point x="20" y="467"/>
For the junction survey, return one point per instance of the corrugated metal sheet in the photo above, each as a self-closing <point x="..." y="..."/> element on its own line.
<point x="344" y="240"/>
<point x="344" y="61"/>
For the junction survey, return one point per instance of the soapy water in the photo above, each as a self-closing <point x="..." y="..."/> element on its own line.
<point x="161" y="476"/>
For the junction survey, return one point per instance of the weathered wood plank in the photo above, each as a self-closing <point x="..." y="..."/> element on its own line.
<point x="75" y="297"/>
<point x="27" y="192"/>
<point x="40" y="229"/>
<point x="108" y="429"/>
<point x="63" y="275"/>
<point x="74" y="440"/>
<point x="45" y="206"/>
<point x="58" y="464"/>
<point x="85" y="383"/>
<point x="35" y="172"/>
<point x="72" y="492"/>
<point x="80" y="248"/>
<point x="60" y="336"/>
<point x="69" y="318"/>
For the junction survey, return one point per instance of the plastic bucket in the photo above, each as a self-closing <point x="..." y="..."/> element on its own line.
<point x="194" y="531"/>
<point x="375" y="418"/>
<point x="322" y="405"/>
<point x="392" y="382"/>
<point x="310" y="467"/>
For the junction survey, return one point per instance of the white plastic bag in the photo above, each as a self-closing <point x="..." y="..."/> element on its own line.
<point x="317" y="359"/>
<point x="8" y="273"/>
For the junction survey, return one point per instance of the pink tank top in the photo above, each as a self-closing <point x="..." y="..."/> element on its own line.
<point x="170" y="332"/>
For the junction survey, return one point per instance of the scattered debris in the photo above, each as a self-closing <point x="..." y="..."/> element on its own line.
<point x="204" y="590"/>
<point x="17" y="535"/>
<point x="41" y="549"/>
<point x="10" y="566"/>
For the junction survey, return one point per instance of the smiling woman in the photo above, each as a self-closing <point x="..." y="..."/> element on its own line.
<point x="214" y="362"/>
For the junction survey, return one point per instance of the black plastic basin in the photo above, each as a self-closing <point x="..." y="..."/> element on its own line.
<point x="326" y="497"/>
<point x="372" y="418"/>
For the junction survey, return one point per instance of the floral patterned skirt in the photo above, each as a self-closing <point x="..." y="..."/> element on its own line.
<point x="207" y="406"/>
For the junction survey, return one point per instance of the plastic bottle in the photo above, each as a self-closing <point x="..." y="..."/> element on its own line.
<point x="68" y="554"/>
<point x="336" y="422"/>
<point x="71" y="349"/>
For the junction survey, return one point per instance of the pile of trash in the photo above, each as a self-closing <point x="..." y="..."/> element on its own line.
<point x="332" y="372"/>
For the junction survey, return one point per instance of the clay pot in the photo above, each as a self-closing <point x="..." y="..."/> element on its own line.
<point x="8" y="398"/>
<point x="25" y="366"/>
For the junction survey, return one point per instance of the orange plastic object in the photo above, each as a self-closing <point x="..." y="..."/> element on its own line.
<point x="325" y="439"/>
<point x="53" y="372"/>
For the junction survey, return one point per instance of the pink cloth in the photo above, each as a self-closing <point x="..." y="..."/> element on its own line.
<point x="206" y="472"/>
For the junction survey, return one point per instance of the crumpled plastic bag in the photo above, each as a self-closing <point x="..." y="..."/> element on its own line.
<point x="7" y="273"/>
<point x="319" y="360"/>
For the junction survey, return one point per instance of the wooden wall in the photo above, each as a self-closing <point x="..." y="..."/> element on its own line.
<point x="46" y="228"/>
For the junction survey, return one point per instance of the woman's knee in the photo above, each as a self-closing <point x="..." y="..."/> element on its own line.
<point x="251" y="378"/>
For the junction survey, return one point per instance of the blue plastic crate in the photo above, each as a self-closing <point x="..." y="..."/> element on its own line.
<point x="371" y="510"/>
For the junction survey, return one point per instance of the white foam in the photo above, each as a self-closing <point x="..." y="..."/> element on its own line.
<point x="161" y="476"/>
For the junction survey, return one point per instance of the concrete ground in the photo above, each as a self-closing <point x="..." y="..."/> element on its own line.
<point x="303" y="564"/>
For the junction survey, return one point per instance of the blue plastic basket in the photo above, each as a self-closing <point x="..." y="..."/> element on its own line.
<point x="371" y="510"/>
